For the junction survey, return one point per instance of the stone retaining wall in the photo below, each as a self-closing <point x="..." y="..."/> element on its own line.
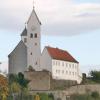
<point x="38" y="80"/>
<point x="42" y="80"/>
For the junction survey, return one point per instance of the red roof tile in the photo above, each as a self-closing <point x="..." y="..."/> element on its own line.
<point x="59" y="54"/>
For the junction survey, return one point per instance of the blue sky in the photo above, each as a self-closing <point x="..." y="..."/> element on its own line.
<point x="78" y="35"/>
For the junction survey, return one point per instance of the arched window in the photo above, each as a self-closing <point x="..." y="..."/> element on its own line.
<point x="31" y="35"/>
<point x="35" y="35"/>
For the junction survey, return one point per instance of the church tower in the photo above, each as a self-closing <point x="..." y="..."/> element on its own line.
<point x="32" y="41"/>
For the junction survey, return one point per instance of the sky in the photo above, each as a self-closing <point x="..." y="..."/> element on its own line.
<point x="72" y="25"/>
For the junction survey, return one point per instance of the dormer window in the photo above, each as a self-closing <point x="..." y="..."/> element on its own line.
<point x="31" y="35"/>
<point x="35" y="35"/>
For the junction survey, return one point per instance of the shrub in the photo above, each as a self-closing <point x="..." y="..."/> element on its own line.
<point x="51" y="96"/>
<point x="43" y="96"/>
<point x="95" y="95"/>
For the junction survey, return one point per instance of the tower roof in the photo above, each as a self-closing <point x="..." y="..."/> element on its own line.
<point x="33" y="11"/>
<point x="60" y="54"/>
<point x="24" y="33"/>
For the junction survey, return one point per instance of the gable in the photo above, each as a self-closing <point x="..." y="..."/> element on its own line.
<point x="19" y="46"/>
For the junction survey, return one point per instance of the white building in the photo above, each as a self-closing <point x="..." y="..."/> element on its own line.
<point x="61" y="64"/>
<point x="28" y="53"/>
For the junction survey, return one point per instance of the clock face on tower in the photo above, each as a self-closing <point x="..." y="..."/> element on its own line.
<point x="33" y="28"/>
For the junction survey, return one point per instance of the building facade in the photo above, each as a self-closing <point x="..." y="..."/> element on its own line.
<point x="27" y="54"/>
<point x="61" y="64"/>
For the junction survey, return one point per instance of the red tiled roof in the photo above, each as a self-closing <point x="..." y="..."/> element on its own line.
<point x="59" y="54"/>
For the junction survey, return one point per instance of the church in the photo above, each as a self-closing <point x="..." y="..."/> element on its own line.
<point x="60" y="63"/>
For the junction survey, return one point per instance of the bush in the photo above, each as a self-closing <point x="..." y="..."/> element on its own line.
<point x="51" y="96"/>
<point x="43" y="96"/>
<point x="95" y="95"/>
<point x="95" y="76"/>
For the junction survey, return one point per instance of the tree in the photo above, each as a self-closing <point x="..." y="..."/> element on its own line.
<point x="17" y="84"/>
<point x="3" y="87"/>
<point x="15" y="87"/>
<point x="22" y="82"/>
<point x="12" y="78"/>
<point x="51" y="96"/>
<point x="95" y="76"/>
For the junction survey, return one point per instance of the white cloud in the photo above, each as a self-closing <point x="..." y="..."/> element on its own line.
<point x="62" y="17"/>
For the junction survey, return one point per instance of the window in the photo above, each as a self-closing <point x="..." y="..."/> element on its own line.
<point x="59" y="71"/>
<point x="73" y="66"/>
<point x="56" y="71"/>
<point x="35" y="43"/>
<point x="56" y="63"/>
<point x="25" y="40"/>
<point x="70" y="65"/>
<point x="31" y="53"/>
<point x="66" y="64"/>
<point x="62" y="71"/>
<point x="62" y="63"/>
<point x="66" y="72"/>
<point x="59" y="63"/>
<point x="53" y="62"/>
<point x="36" y="63"/>
<point x="35" y="35"/>
<point x="31" y="35"/>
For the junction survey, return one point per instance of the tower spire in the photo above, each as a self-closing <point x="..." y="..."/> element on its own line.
<point x="33" y="4"/>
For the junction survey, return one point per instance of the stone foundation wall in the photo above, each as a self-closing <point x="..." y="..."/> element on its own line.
<point x="61" y="84"/>
<point x="38" y="80"/>
<point x="42" y="80"/>
<point x="81" y="89"/>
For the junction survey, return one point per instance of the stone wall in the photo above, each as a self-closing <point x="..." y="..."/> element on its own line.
<point x="81" y="89"/>
<point x="39" y="80"/>
<point x="61" y="84"/>
<point x="42" y="80"/>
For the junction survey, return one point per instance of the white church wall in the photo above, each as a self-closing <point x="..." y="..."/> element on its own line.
<point x="65" y="70"/>
<point x="18" y="59"/>
<point x="46" y="61"/>
<point x="34" y="51"/>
